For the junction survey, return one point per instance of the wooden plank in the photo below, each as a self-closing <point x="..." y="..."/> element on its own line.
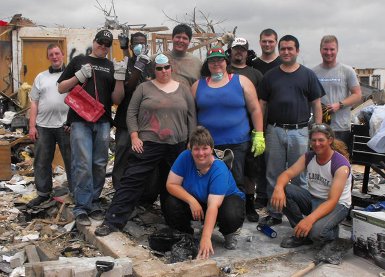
<point x="32" y="255"/>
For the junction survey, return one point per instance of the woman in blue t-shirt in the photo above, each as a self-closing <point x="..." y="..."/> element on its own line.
<point x="203" y="188"/>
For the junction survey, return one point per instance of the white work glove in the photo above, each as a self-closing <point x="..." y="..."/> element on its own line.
<point x="84" y="73"/>
<point x="227" y="38"/>
<point x="142" y="59"/>
<point x="120" y="69"/>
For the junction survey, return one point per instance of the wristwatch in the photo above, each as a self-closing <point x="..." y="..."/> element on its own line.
<point x="341" y="105"/>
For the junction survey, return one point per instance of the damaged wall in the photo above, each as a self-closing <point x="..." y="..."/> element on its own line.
<point x="29" y="49"/>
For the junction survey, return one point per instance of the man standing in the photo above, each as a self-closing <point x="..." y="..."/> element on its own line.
<point x="90" y="141"/>
<point x="238" y="56"/>
<point x="185" y="66"/>
<point x="138" y="71"/>
<point x="341" y="86"/>
<point x="289" y="92"/>
<point x="48" y="116"/>
<point x="269" y="59"/>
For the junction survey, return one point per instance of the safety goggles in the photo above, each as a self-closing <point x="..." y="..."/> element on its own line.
<point x="160" y="68"/>
<point x="104" y="42"/>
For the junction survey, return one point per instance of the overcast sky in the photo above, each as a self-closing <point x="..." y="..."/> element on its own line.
<point x="358" y="24"/>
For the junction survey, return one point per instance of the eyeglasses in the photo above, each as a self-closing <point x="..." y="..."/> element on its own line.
<point x="104" y="42"/>
<point x="160" y="68"/>
<point x="215" y="60"/>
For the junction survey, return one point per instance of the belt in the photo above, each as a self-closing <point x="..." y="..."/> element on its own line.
<point x="291" y="126"/>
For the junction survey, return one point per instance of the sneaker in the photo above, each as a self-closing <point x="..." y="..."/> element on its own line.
<point x="293" y="242"/>
<point x="97" y="215"/>
<point x="104" y="230"/>
<point x="83" y="220"/>
<point x="231" y="240"/>
<point x="37" y="201"/>
<point x="270" y="221"/>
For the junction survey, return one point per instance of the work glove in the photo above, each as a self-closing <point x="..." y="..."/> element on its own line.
<point x="258" y="143"/>
<point x="251" y="56"/>
<point x="120" y="69"/>
<point x="84" y="73"/>
<point x="326" y="116"/>
<point x="142" y="59"/>
<point x="123" y="41"/>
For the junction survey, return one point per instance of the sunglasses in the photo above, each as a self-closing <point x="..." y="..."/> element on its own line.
<point x="160" y="68"/>
<point x="319" y="126"/>
<point x="106" y="43"/>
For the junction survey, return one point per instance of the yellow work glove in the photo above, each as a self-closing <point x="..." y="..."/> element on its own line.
<point x="258" y="143"/>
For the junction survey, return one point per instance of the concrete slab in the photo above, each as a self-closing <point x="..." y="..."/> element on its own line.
<point x="262" y="256"/>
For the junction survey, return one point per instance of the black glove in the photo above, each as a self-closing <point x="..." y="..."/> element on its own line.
<point x="251" y="56"/>
<point x="123" y="40"/>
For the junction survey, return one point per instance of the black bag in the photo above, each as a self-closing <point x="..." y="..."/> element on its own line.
<point x="163" y="239"/>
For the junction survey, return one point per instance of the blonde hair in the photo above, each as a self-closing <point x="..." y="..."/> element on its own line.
<point x="337" y="144"/>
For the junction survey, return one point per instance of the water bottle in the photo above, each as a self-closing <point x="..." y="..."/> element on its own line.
<point x="267" y="230"/>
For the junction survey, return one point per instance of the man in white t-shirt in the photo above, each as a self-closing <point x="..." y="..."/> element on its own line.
<point x="48" y="116"/>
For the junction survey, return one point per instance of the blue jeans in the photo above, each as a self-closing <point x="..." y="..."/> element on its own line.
<point x="300" y="202"/>
<point x="238" y="170"/>
<point x="283" y="149"/>
<point x="89" y="150"/>
<point x="45" y="147"/>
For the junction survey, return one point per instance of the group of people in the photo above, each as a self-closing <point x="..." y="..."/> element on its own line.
<point x="173" y="111"/>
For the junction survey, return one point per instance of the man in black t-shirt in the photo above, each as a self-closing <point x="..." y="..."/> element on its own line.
<point x="238" y="57"/>
<point x="103" y="80"/>
<point x="269" y="59"/>
<point x="289" y="92"/>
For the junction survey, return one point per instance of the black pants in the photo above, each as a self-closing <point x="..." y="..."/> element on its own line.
<point x="139" y="167"/>
<point x="231" y="214"/>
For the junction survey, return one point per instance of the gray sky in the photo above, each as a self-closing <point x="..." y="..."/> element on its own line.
<point x="358" y="24"/>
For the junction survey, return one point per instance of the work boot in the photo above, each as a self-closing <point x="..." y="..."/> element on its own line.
<point x="83" y="220"/>
<point x="104" y="230"/>
<point x="97" y="215"/>
<point x="293" y="242"/>
<point x="231" y="240"/>
<point x="37" y="201"/>
<point x="270" y="221"/>
<point x="251" y="214"/>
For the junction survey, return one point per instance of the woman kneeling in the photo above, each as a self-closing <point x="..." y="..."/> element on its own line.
<point x="202" y="188"/>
